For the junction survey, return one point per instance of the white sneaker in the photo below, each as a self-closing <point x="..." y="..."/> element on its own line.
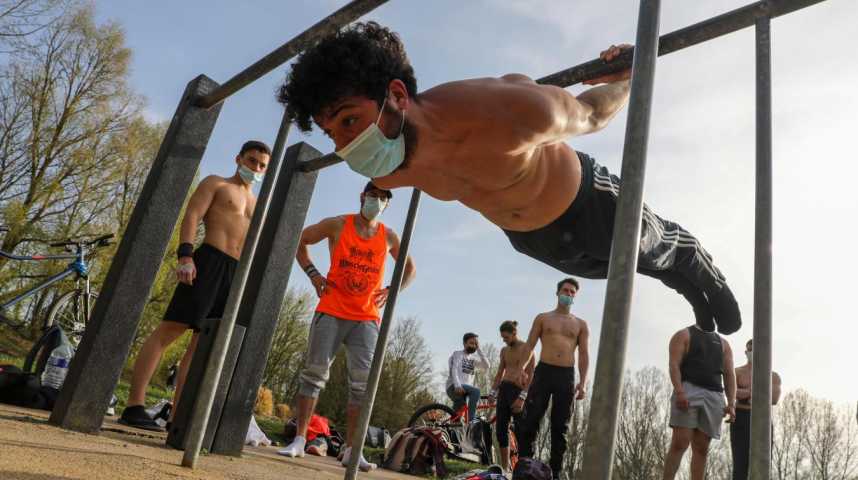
<point x="363" y="465"/>
<point x="294" y="449"/>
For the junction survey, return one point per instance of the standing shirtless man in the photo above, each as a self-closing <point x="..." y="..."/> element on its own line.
<point x="496" y="145"/>
<point x="510" y="386"/>
<point x="561" y="333"/>
<point x="225" y="206"/>
<point x="740" y="430"/>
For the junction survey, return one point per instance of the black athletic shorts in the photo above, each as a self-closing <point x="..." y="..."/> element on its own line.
<point x="206" y="298"/>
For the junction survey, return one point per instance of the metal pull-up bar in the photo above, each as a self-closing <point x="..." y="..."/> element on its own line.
<point x="349" y="13"/>
<point x="598" y="458"/>
<point x="714" y="27"/>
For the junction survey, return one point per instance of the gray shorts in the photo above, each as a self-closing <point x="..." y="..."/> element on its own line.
<point x="705" y="410"/>
<point x="327" y="333"/>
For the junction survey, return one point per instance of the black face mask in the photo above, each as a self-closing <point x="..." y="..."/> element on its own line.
<point x="470" y="349"/>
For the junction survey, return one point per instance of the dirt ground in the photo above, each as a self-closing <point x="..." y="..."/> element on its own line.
<point x="32" y="449"/>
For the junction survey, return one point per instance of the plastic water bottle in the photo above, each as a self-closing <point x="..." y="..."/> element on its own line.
<point x="57" y="366"/>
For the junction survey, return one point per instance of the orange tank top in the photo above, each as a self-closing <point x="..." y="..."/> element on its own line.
<point x="357" y="270"/>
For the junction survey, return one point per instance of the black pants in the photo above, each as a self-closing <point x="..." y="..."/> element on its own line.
<point x="557" y="385"/>
<point x="740" y="443"/>
<point x="579" y="243"/>
<point x="507" y="394"/>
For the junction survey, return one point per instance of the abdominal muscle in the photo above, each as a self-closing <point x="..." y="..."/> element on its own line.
<point x="226" y="231"/>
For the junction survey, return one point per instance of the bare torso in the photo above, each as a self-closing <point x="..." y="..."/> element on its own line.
<point x="228" y="217"/>
<point x="559" y="338"/>
<point x="473" y="150"/>
<point x="514" y="358"/>
<point x="745" y="380"/>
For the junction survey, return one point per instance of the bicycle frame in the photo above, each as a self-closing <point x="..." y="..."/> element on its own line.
<point x="77" y="267"/>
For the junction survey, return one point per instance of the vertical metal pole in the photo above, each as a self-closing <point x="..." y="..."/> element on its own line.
<point x="208" y="386"/>
<point x="263" y="299"/>
<point x="109" y="334"/>
<point x="608" y="382"/>
<point x="761" y="413"/>
<point x="381" y="344"/>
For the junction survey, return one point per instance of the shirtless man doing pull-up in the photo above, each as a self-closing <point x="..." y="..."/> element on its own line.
<point x="561" y="334"/>
<point x="498" y="146"/>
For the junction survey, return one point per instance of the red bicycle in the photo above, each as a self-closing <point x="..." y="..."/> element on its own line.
<point x="443" y="416"/>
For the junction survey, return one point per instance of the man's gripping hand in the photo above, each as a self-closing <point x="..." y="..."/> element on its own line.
<point x="608" y="56"/>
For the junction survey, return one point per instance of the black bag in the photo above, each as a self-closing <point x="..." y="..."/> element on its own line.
<point x="335" y="443"/>
<point x="41" y="350"/>
<point x="290" y="430"/>
<point x="377" y="437"/>
<point x="24" y="389"/>
<point x="473" y="441"/>
<point x="531" y="469"/>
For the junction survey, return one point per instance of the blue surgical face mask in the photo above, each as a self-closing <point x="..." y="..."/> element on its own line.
<point x="373" y="155"/>
<point x="565" y="300"/>
<point x="249" y="176"/>
<point x="372" y="207"/>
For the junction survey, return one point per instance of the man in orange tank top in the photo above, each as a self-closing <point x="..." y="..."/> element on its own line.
<point x="348" y="311"/>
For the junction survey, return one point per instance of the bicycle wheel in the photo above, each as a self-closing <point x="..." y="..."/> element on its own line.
<point x="68" y="312"/>
<point x="432" y="415"/>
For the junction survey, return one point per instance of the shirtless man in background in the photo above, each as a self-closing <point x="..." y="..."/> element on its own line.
<point x="561" y="334"/>
<point x="510" y="384"/>
<point x="740" y="430"/>
<point x="225" y="206"/>
<point x="498" y="146"/>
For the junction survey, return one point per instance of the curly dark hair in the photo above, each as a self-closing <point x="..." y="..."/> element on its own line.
<point x="360" y="59"/>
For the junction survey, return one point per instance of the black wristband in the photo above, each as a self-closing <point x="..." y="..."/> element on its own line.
<point x="185" y="250"/>
<point x="311" y="271"/>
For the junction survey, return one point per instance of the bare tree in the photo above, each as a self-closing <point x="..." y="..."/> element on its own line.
<point x="288" y="346"/>
<point x="641" y="432"/>
<point x="67" y="106"/>
<point x="20" y="18"/>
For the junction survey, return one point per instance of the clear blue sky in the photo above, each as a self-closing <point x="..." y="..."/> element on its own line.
<point x="700" y="170"/>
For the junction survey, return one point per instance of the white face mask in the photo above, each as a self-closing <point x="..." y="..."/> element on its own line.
<point x="372" y="207"/>
<point x="749" y="356"/>
<point x="372" y="154"/>
<point x="248" y="176"/>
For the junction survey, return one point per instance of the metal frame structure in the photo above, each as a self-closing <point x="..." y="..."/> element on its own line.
<point x="278" y="222"/>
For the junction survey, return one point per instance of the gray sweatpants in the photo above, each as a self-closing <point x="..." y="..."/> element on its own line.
<point x="327" y="333"/>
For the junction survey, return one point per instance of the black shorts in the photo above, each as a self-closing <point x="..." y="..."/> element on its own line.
<point x="206" y="298"/>
<point x="579" y="243"/>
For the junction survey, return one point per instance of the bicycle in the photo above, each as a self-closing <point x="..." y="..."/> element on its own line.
<point x="72" y="309"/>
<point x="439" y="415"/>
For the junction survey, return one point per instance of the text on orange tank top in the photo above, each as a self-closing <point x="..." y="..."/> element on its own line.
<point x="357" y="270"/>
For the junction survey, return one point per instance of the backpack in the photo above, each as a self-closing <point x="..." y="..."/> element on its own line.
<point x="23" y="387"/>
<point x="473" y="441"/>
<point x="418" y="451"/>
<point x="41" y="350"/>
<point x="531" y="469"/>
<point x="377" y="437"/>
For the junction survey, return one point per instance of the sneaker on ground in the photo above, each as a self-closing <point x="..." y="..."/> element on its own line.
<point x="136" y="416"/>
<point x="294" y="449"/>
<point x="363" y="465"/>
